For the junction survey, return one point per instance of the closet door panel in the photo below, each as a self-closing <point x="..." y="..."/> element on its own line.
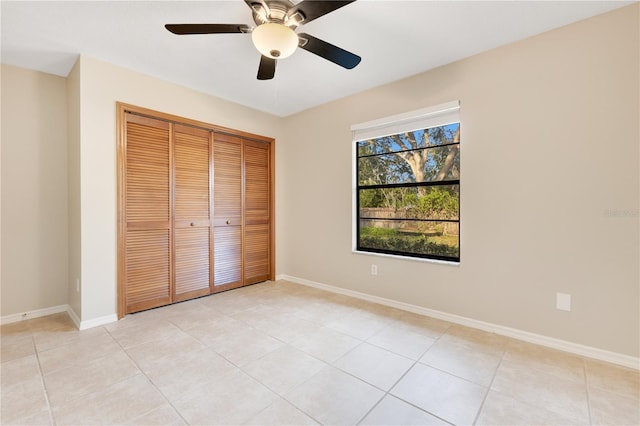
<point x="148" y="271"/>
<point x="257" y="212"/>
<point x="256" y="262"/>
<point x="147" y="240"/>
<point x="227" y="189"/>
<point x="256" y="163"/>
<point x="228" y="257"/>
<point x="192" y="219"/>
<point x="192" y="173"/>
<point x="147" y="171"/>
<point x="227" y="165"/>
<point x="192" y="265"/>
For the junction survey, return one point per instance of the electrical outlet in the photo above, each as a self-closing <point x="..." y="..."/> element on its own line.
<point x="374" y="269"/>
<point x="563" y="302"/>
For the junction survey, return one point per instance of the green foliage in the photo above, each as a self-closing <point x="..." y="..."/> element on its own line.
<point x="437" y="202"/>
<point x="414" y="203"/>
<point x="393" y="240"/>
<point x="374" y="232"/>
<point x="368" y="199"/>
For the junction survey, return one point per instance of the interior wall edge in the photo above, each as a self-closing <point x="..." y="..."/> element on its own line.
<point x="74" y="316"/>
<point x="96" y="322"/>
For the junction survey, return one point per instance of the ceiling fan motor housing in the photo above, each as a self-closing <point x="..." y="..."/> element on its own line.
<point x="276" y="12"/>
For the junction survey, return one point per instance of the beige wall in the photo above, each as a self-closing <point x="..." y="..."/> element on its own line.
<point x="101" y="86"/>
<point x="550" y="147"/>
<point x="34" y="191"/>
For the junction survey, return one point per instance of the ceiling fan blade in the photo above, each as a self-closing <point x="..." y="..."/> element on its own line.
<point x="184" y="29"/>
<point x="312" y="9"/>
<point x="267" y="68"/>
<point x="328" y="51"/>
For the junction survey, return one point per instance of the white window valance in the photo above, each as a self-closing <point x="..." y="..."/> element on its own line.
<point x="438" y="115"/>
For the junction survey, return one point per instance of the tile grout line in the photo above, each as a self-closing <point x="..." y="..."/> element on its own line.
<point x="44" y="384"/>
<point x="326" y="364"/>
<point x="280" y="397"/>
<point x="148" y="379"/>
<point x="388" y="392"/>
<point x="296" y="387"/>
<point x="489" y="386"/>
<point x="556" y="376"/>
<point x="242" y="370"/>
<point x="417" y="361"/>
<point x="586" y="386"/>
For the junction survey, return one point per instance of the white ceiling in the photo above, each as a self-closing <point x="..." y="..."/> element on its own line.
<point x="395" y="39"/>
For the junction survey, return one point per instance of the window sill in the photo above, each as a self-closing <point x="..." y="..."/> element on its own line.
<point x="415" y="259"/>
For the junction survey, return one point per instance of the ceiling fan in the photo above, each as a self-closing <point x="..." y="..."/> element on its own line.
<point x="274" y="34"/>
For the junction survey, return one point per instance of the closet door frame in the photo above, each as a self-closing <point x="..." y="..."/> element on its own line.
<point x="121" y="110"/>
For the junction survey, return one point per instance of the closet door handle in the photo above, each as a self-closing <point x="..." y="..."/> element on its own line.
<point x="228" y="221"/>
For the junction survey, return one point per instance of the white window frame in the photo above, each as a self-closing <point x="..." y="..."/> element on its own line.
<point x="433" y="116"/>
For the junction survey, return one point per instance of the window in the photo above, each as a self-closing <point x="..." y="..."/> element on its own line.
<point x="407" y="184"/>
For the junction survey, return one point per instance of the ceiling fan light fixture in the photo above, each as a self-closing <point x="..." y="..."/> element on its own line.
<point x="275" y="41"/>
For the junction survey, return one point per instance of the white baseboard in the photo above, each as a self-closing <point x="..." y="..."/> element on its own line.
<point x="96" y="322"/>
<point x="563" y="345"/>
<point x="8" y="319"/>
<point x="82" y="325"/>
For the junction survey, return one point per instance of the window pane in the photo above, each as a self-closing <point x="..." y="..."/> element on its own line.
<point x="384" y="170"/>
<point x="444" y="134"/>
<point x="432" y="202"/>
<point x="411" y="140"/>
<point x="440" y="163"/>
<point x="426" y="238"/>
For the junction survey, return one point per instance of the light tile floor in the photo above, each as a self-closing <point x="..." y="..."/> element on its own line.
<point x="280" y="353"/>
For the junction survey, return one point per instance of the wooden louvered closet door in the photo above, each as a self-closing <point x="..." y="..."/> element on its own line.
<point x="257" y="217"/>
<point x="195" y="209"/>
<point x="192" y="223"/>
<point x="147" y="213"/>
<point x="228" y="204"/>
